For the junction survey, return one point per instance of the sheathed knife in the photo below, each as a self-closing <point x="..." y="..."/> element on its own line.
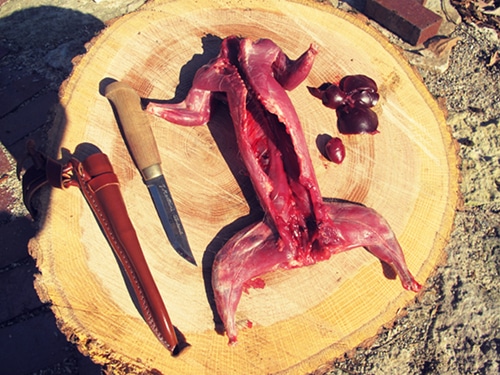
<point x="142" y="146"/>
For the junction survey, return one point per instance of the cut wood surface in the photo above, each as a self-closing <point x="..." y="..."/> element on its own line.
<point x="302" y="318"/>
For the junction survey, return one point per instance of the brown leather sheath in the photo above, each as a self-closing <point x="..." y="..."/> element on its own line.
<point x="100" y="187"/>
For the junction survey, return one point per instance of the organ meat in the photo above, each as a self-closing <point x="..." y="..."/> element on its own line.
<point x="299" y="228"/>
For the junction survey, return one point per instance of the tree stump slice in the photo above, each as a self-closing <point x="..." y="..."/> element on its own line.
<point x="303" y="318"/>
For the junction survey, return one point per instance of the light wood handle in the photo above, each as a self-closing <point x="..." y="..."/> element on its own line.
<point x="136" y="128"/>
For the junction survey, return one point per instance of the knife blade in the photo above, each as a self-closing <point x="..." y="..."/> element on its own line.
<point x="142" y="146"/>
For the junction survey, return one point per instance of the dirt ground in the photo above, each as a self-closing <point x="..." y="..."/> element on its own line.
<point x="454" y="327"/>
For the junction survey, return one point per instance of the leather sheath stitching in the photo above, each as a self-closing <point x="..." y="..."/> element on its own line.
<point x="88" y="193"/>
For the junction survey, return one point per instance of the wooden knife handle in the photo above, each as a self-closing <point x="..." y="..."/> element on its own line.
<point x="136" y="128"/>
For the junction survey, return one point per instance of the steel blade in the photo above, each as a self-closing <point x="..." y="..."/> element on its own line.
<point x="169" y="217"/>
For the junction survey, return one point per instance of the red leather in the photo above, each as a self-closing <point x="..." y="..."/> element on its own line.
<point x="100" y="187"/>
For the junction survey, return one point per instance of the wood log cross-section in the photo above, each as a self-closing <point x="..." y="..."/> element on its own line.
<point x="303" y="318"/>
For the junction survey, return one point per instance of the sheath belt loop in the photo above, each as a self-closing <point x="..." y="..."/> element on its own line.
<point x="54" y="171"/>
<point x="100" y="187"/>
<point x="44" y="171"/>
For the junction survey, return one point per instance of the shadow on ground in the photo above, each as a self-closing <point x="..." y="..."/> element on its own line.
<point x="37" y="46"/>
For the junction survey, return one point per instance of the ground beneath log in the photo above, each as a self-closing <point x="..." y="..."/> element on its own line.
<point x="454" y="327"/>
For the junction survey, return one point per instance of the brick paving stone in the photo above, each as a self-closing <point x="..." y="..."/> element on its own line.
<point x="7" y="200"/>
<point x="14" y="245"/>
<point x="408" y="19"/>
<point x="18" y="149"/>
<point x="17" y="294"/>
<point x="7" y="75"/>
<point x="19" y="91"/>
<point x="18" y="124"/>
<point x="31" y="345"/>
<point x="4" y="51"/>
<point x="87" y="367"/>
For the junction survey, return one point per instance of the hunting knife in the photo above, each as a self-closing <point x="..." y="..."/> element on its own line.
<point x="142" y="146"/>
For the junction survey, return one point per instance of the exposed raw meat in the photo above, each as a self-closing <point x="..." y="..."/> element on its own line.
<point x="299" y="228"/>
